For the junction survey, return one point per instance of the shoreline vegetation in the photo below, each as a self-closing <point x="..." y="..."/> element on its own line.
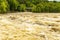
<point x="36" y="6"/>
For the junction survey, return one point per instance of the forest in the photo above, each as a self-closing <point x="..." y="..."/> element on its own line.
<point x="38" y="6"/>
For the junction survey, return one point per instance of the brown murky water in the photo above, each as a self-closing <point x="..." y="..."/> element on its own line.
<point x="28" y="26"/>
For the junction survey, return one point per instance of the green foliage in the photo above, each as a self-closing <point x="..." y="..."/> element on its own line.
<point x="22" y="1"/>
<point x="34" y="9"/>
<point x="29" y="5"/>
<point x="47" y="7"/>
<point x="3" y="6"/>
<point x="21" y="7"/>
<point x="13" y="4"/>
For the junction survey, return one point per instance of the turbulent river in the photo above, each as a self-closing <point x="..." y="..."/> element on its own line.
<point x="26" y="26"/>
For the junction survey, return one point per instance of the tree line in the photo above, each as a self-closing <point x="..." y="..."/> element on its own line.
<point x="29" y="5"/>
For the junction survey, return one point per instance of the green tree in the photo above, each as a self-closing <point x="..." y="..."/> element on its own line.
<point x="21" y="7"/>
<point x="34" y="8"/>
<point x="13" y="4"/>
<point x="4" y="7"/>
